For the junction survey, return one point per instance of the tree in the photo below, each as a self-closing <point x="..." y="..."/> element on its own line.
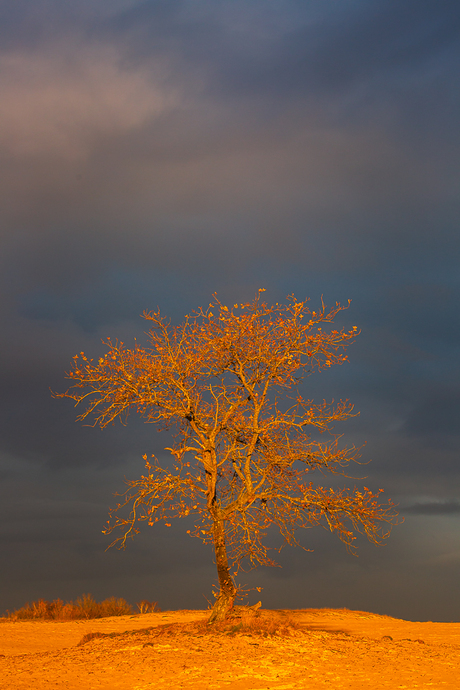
<point x="245" y="441"/>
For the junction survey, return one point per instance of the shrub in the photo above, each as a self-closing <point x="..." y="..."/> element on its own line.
<point x="148" y="606"/>
<point x="115" y="607"/>
<point x="84" y="607"/>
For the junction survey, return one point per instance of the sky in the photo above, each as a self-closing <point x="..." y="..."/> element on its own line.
<point x="153" y="153"/>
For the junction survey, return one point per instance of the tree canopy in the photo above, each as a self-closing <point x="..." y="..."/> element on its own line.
<point x="245" y="442"/>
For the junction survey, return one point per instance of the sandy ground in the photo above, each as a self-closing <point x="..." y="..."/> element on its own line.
<point x="330" y="648"/>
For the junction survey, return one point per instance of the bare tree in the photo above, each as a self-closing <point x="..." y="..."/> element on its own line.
<point x="225" y="383"/>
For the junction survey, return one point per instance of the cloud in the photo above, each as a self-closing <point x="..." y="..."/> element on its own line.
<point x="59" y="99"/>
<point x="434" y="508"/>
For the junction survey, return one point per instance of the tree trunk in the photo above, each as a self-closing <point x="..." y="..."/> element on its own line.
<point x="226" y="597"/>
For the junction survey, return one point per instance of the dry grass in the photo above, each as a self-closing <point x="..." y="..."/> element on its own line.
<point x="242" y="620"/>
<point x="85" y="607"/>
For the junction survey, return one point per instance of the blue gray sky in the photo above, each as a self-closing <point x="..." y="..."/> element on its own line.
<point x="155" y="152"/>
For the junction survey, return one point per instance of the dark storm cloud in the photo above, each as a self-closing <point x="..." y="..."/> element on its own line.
<point x="346" y="47"/>
<point x="154" y="152"/>
<point x="320" y="44"/>
<point x="206" y="168"/>
<point x="218" y="191"/>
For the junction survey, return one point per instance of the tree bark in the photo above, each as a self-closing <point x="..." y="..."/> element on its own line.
<point x="226" y="597"/>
